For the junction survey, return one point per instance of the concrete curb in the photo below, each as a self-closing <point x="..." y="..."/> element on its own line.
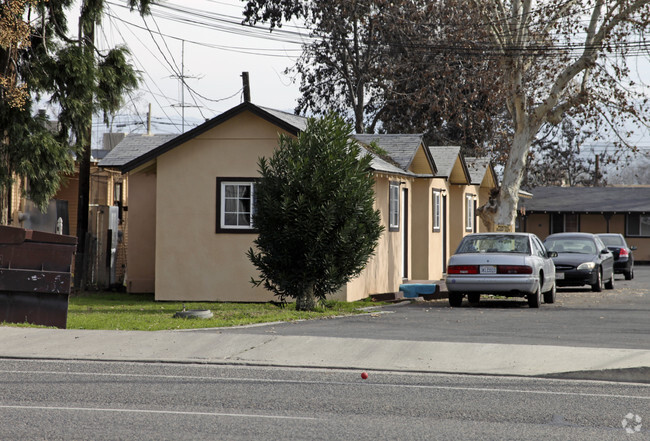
<point x="215" y="347"/>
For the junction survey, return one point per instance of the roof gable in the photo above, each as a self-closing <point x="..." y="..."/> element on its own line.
<point x="450" y="164"/>
<point x="421" y="163"/>
<point x="481" y="172"/>
<point x="400" y="148"/>
<point x="285" y="121"/>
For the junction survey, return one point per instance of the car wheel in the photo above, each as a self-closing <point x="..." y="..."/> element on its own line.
<point x="610" y="283"/>
<point x="629" y="275"/>
<point x="598" y="286"/>
<point x="549" y="296"/>
<point x="473" y="299"/>
<point x="535" y="299"/>
<point x="455" y="299"/>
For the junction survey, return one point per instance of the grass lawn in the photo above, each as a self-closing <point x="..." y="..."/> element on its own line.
<point x="140" y="312"/>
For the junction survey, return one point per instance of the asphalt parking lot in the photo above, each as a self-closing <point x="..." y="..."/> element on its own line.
<point x="615" y="318"/>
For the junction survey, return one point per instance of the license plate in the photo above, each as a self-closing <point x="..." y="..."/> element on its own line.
<point x="559" y="276"/>
<point x="488" y="269"/>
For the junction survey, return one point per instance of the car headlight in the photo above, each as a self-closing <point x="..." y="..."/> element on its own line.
<point x="587" y="266"/>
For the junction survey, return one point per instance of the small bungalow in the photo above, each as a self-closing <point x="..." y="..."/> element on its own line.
<point x="462" y="200"/>
<point x="414" y="160"/>
<point x="183" y="245"/>
<point x="624" y="210"/>
<point x="484" y="179"/>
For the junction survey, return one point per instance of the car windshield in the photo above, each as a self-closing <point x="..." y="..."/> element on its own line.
<point x="613" y="241"/>
<point x="578" y="246"/>
<point x="502" y="243"/>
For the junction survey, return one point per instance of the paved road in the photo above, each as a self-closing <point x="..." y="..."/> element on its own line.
<point x="599" y="335"/>
<point x="75" y="384"/>
<point x="618" y="318"/>
<point x="55" y="400"/>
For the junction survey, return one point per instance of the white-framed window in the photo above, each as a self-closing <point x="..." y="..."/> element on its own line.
<point x="469" y="212"/>
<point x="437" y="209"/>
<point x="236" y="204"/>
<point x="393" y="206"/>
<point x="638" y="225"/>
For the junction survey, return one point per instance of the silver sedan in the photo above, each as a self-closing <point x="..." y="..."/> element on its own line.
<point x="507" y="264"/>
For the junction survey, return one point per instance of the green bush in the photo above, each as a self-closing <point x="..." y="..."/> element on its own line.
<point x="314" y="214"/>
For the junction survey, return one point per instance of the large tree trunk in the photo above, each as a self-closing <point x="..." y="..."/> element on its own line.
<point x="83" y="201"/>
<point x="513" y="174"/>
<point x="500" y="212"/>
<point x="307" y="301"/>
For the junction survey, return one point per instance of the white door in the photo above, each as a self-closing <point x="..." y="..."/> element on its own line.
<point x="405" y="233"/>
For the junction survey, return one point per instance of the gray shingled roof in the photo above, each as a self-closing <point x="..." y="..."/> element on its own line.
<point x="299" y="122"/>
<point x="589" y="200"/>
<point x="400" y="148"/>
<point x="445" y="157"/>
<point x="380" y="165"/>
<point x="477" y="168"/>
<point x="132" y="147"/>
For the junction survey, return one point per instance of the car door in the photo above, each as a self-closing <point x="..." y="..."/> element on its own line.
<point x="606" y="259"/>
<point x="548" y="265"/>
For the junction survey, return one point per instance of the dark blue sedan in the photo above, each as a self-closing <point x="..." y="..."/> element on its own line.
<point x="582" y="259"/>
<point x="623" y="254"/>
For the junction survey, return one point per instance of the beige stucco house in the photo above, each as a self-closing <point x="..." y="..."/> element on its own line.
<point x="484" y="179"/>
<point x="186" y="243"/>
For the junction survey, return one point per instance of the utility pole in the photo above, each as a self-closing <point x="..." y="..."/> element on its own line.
<point x="183" y="84"/>
<point x="182" y="77"/>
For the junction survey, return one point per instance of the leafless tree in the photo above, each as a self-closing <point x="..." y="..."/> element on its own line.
<point x="559" y="58"/>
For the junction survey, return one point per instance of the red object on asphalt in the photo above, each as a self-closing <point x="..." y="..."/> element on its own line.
<point x="364" y="375"/>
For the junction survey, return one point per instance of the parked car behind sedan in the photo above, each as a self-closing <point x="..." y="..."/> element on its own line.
<point x="623" y="254"/>
<point x="508" y="264"/>
<point x="582" y="259"/>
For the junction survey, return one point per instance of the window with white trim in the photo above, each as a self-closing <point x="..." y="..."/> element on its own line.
<point x="638" y="225"/>
<point x="393" y="206"/>
<point x="437" y="208"/>
<point x="236" y="204"/>
<point x="469" y="212"/>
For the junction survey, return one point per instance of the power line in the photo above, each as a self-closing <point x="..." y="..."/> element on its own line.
<point x="295" y="35"/>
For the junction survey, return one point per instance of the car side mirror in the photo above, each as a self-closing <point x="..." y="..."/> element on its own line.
<point x="605" y="251"/>
<point x="551" y="253"/>
<point x="633" y="248"/>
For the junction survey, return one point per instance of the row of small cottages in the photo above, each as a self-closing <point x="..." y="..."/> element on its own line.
<point x="183" y="245"/>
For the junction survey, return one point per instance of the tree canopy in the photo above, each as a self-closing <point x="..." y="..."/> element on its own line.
<point x="314" y="211"/>
<point x="14" y="36"/>
<point x="487" y="72"/>
<point x="562" y="160"/>
<point x="396" y="67"/>
<point x="29" y="148"/>
<point x="562" y="58"/>
<point x="39" y="57"/>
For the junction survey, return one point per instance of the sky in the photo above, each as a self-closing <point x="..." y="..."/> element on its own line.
<point x="204" y="42"/>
